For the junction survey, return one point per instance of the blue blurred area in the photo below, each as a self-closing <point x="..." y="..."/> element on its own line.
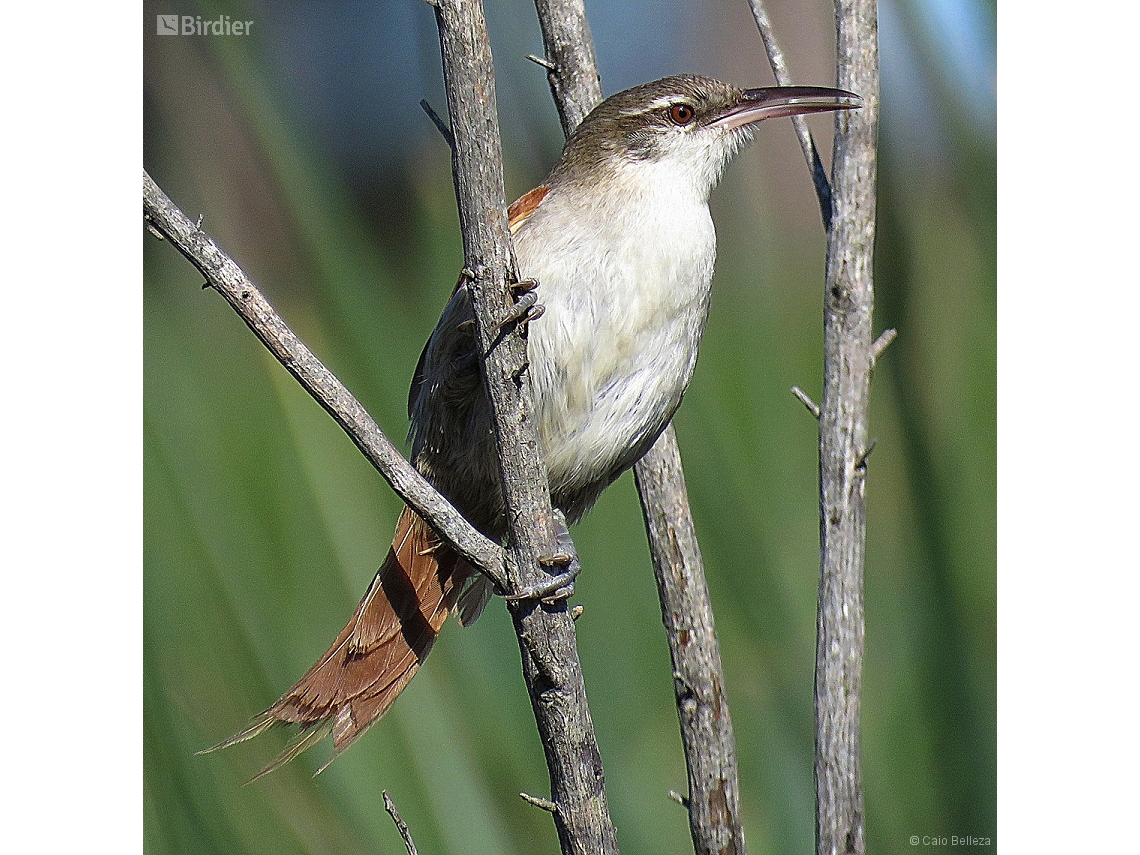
<point x="965" y="43"/>
<point x="352" y="74"/>
<point x="938" y="77"/>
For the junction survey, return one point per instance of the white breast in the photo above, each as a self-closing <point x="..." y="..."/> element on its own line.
<point x="626" y="288"/>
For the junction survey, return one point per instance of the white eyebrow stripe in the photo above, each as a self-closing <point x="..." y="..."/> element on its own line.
<point x="664" y="101"/>
<point x="655" y="104"/>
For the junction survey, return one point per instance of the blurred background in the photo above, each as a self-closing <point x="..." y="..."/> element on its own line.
<point x="305" y="150"/>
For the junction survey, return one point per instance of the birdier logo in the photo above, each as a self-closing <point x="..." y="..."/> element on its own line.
<point x="193" y="25"/>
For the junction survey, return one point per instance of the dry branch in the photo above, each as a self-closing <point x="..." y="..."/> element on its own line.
<point x="572" y="68"/>
<point x="848" y="209"/>
<point x="698" y="679"/>
<point x="401" y="826"/>
<point x="228" y="279"/>
<point x="702" y="708"/>
<point x="843" y="444"/>
<point x="546" y="632"/>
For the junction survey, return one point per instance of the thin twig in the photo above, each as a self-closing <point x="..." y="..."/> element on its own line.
<point x="150" y="227"/>
<point x="229" y="280"/>
<point x="679" y="799"/>
<point x="448" y="137"/>
<point x="812" y="406"/>
<point x="401" y="826"/>
<point x="544" y="804"/>
<point x="538" y="60"/>
<point x="803" y="132"/>
<point x="551" y="666"/>
<point x="882" y="343"/>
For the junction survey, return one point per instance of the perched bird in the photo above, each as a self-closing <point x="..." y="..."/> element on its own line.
<point x="621" y="245"/>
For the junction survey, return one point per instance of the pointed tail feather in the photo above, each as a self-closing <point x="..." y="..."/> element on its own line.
<point x="300" y="743"/>
<point x="378" y="652"/>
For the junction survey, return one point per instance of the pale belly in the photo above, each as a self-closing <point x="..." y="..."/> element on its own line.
<point x="610" y="361"/>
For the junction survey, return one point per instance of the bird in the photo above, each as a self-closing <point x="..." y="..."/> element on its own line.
<point x="616" y="248"/>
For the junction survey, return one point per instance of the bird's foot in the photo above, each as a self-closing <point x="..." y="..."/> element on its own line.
<point x="559" y="586"/>
<point x="526" y="308"/>
<point x="555" y="588"/>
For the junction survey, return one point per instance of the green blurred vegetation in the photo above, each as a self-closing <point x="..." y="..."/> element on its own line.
<point x="264" y="525"/>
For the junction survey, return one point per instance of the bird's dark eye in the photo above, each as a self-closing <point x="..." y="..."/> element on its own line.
<point x="681" y="114"/>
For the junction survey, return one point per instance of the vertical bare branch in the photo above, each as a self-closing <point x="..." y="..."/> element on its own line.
<point x="686" y="610"/>
<point x="546" y="633"/>
<point x="702" y="707"/>
<point x="572" y="66"/>
<point x="843" y="445"/>
<point x="848" y="211"/>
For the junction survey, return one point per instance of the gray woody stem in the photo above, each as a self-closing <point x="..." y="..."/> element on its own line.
<point x="546" y="633"/>
<point x="843" y="441"/>
<point x="572" y="66"/>
<point x="229" y="280"/>
<point x="686" y="609"/>
<point x="702" y="708"/>
<point x="401" y="826"/>
<point x="849" y="354"/>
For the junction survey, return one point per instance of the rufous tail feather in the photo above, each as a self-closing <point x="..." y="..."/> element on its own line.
<point x="378" y="652"/>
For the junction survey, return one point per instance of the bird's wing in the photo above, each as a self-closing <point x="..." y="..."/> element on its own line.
<point x="421" y="366"/>
<point x="521" y="209"/>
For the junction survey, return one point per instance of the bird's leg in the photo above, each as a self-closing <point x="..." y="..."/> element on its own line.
<point x="561" y="585"/>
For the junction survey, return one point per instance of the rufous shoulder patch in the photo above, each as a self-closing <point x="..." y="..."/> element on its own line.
<point x="521" y="209"/>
